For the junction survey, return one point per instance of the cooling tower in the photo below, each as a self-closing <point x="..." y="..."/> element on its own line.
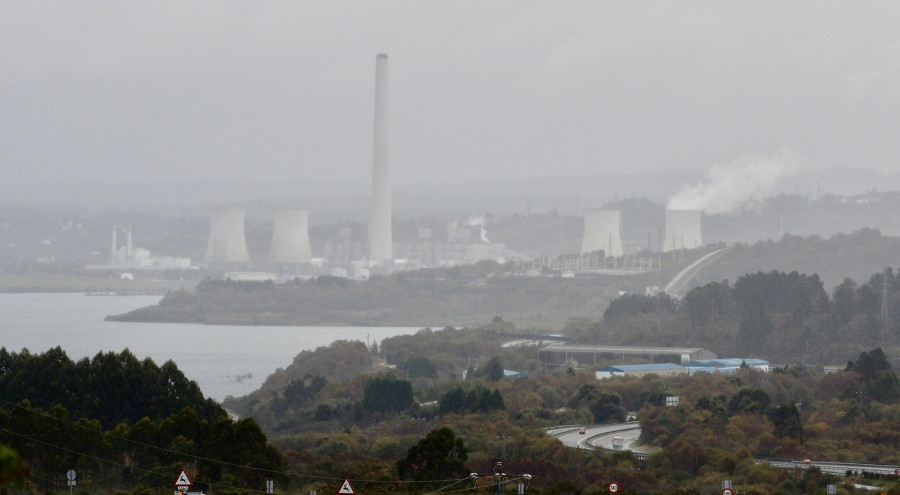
<point x="290" y="237"/>
<point x="682" y="230"/>
<point x="601" y="232"/>
<point x="380" y="234"/>
<point x="226" y="237"/>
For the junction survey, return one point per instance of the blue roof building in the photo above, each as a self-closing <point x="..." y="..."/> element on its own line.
<point x="725" y="365"/>
<point x="661" y="369"/>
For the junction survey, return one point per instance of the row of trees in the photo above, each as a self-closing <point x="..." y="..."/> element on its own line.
<point x="141" y="456"/>
<point x="784" y="317"/>
<point x="110" y="387"/>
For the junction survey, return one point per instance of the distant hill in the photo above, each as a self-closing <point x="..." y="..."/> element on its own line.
<point x="856" y="256"/>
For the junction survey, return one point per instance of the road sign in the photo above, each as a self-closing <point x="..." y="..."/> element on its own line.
<point x="727" y="491"/>
<point x="613" y="487"/>
<point x="70" y="475"/>
<point x="182" y="481"/>
<point x="346" y="488"/>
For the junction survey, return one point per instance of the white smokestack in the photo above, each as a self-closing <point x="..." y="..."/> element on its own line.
<point x="114" y="247"/>
<point x="602" y="232"/>
<point x="380" y="233"/>
<point x="683" y="230"/>
<point x="128" y="247"/>
<point x="227" y="243"/>
<point x="290" y="237"/>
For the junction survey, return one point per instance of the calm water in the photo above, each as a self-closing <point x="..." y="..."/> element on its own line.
<point x="223" y="360"/>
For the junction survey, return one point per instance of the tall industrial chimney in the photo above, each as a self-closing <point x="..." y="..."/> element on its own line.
<point x="227" y="243"/>
<point x="114" y="247"/>
<point x="290" y="237"/>
<point x="602" y="232"/>
<point x="380" y="232"/>
<point x="129" y="250"/>
<point x="683" y="230"/>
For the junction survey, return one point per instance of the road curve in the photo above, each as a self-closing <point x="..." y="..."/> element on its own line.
<point x="684" y="277"/>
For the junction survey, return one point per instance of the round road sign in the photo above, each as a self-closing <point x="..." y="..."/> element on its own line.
<point x="727" y="491"/>
<point x="70" y="475"/>
<point x="613" y="487"/>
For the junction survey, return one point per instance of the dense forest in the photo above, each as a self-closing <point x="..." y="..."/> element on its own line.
<point x="122" y="424"/>
<point x="387" y="439"/>
<point x="781" y="317"/>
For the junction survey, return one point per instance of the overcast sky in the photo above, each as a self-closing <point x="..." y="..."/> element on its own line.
<point x="255" y="90"/>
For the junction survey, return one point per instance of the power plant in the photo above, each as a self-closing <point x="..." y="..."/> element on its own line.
<point x="227" y="243"/>
<point x="602" y="232"/>
<point x="380" y="229"/>
<point x="290" y="237"/>
<point x="683" y="230"/>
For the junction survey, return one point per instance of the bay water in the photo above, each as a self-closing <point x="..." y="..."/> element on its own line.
<point x="223" y="359"/>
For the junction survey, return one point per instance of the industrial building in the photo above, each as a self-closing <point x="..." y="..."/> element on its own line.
<point x="380" y="229"/>
<point x="725" y="365"/>
<point x="227" y="243"/>
<point x="683" y="230"/>
<point x="585" y="355"/>
<point x="290" y="237"/>
<point x="602" y="232"/>
<point x="129" y="257"/>
<point x="639" y="370"/>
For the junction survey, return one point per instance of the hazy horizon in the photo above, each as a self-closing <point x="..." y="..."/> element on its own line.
<point x="231" y="91"/>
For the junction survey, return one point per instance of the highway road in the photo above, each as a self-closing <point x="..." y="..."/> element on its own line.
<point x="600" y="436"/>
<point x="676" y="287"/>
<point x="832" y="467"/>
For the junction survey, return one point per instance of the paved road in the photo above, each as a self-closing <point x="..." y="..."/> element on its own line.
<point x="832" y="467"/>
<point x="676" y="286"/>
<point x="599" y="436"/>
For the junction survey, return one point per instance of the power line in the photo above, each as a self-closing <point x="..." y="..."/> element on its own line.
<point x="192" y="456"/>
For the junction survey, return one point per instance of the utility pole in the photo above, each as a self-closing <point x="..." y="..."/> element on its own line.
<point x="500" y="478"/>
<point x="502" y="437"/>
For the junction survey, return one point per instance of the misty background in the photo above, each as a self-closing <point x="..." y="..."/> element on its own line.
<point x="105" y="95"/>
<point x="773" y="118"/>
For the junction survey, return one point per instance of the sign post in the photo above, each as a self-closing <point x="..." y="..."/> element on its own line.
<point x="70" y="476"/>
<point x="346" y="488"/>
<point x="182" y="482"/>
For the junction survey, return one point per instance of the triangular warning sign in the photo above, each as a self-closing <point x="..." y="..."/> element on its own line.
<point x="346" y="488"/>
<point x="182" y="480"/>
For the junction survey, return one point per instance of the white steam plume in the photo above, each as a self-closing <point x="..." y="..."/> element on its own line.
<point x="741" y="183"/>
<point x="479" y="221"/>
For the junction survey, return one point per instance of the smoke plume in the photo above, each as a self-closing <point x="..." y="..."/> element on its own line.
<point x="737" y="185"/>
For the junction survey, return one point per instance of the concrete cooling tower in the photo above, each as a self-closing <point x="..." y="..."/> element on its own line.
<point x="601" y="232"/>
<point x="227" y="243"/>
<point x="683" y="229"/>
<point x="290" y="237"/>
<point x="380" y="233"/>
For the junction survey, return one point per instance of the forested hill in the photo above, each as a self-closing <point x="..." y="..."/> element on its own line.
<point x="781" y="317"/>
<point x="855" y="256"/>
<point x="460" y="296"/>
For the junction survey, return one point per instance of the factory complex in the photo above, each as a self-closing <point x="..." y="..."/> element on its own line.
<point x="356" y="254"/>
<point x="662" y="361"/>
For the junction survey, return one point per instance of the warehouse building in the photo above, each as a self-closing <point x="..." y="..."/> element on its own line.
<point x="639" y="370"/>
<point x="556" y="355"/>
<point x="729" y="365"/>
